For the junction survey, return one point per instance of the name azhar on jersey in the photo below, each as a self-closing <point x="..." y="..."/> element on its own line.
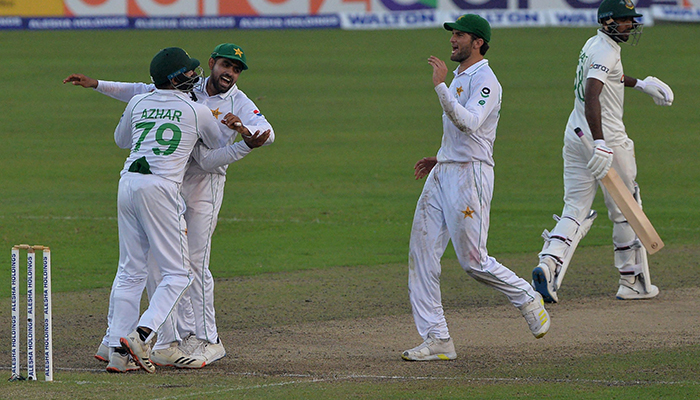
<point x="160" y="113"/>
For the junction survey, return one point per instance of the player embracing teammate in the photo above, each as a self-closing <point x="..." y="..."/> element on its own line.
<point x="189" y="337"/>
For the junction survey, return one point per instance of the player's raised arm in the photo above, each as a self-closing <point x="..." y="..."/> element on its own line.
<point x="122" y="91"/>
<point x="81" y="80"/>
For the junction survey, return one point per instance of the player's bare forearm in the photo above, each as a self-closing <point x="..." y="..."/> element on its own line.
<point x="235" y="123"/>
<point x="424" y="166"/>
<point x="439" y="70"/>
<point x="592" y="107"/>
<point x="257" y="139"/>
<point x="81" y="80"/>
<point x="253" y="140"/>
<point x="630" y="81"/>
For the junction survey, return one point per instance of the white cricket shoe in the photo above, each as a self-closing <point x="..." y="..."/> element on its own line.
<point x="536" y="316"/>
<point x="140" y="350"/>
<point x="211" y="351"/>
<point x="173" y="356"/>
<point x="121" y="362"/>
<point x="102" y="353"/>
<point x="432" y="349"/>
<point x="633" y="288"/>
<point x="543" y="279"/>
<point x="191" y="345"/>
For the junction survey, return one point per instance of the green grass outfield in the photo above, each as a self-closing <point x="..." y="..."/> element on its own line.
<point x="352" y="111"/>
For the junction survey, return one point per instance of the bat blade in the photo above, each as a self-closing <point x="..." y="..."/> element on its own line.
<point x="632" y="211"/>
<point x="629" y="206"/>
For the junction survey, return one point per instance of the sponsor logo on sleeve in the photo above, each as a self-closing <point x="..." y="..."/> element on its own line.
<point x="600" y="67"/>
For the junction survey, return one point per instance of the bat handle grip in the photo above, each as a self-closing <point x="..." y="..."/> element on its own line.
<point x="583" y="138"/>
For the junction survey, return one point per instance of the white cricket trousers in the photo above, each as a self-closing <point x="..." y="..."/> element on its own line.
<point x="203" y="194"/>
<point x="455" y="205"/>
<point x="195" y="313"/>
<point x="150" y="217"/>
<point x="579" y="185"/>
<point x="580" y="190"/>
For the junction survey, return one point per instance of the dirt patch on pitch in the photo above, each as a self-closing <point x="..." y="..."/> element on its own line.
<point x="355" y="321"/>
<point x="489" y="339"/>
<point x="486" y="338"/>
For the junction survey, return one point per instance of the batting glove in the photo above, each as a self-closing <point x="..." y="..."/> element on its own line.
<point x="601" y="161"/>
<point x="654" y="87"/>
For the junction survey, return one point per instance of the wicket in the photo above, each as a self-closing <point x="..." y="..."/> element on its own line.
<point x="14" y="294"/>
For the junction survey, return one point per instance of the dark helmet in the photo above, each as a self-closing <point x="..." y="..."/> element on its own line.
<point x="170" y="63"/>
<point x="617" y="9"/>
<point x="609" y="11"/>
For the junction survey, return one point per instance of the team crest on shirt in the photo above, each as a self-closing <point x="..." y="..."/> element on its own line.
<point x="459" y="90"/>
<point x="216" y="113"/>
<point x="485" y="93"/>
<point x="468" y="213"/>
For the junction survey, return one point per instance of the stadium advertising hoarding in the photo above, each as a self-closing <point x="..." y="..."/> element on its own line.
<point x="191" y="8"/>
<point x="308" y="14"/>
<point x="31" y="8"/>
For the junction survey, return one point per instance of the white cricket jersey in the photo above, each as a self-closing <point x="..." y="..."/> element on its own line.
<point x="471" y="108"/>
<point x="164" y="126"/>
<point x="600" y="59"/>
<point x="237" y="103"/>
<point x="233" y="101"/>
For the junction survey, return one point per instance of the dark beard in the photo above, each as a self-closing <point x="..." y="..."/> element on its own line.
<point x="460" y="56"/>
<point x="217" y="85"/>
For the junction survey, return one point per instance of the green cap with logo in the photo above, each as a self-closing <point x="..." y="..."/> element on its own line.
<point x="617" y="9"/>
<point x="230" y="51"/>
<point x="471" y="23"/>
<point x="169" y="63"/>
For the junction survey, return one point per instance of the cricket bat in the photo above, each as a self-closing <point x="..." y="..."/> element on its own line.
<point x="629" y="206"/>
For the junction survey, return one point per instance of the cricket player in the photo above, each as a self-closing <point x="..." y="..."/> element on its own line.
<point x="599" y="95"/>
<point x="161" y="128"/>
<point x="456" y="199"/>
<point x="202" y="189"/>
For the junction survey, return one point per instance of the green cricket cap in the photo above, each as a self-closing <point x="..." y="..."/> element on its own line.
<point x="617" y="9"/>
<point x="230" y="51"/>
<point x="169" y="63"/>
<point x="471" y="23"/>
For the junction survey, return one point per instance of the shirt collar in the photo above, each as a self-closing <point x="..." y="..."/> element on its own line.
<point x="169" y="92"/>
<point x="472" y="69"/>
<point x="608" y="39"/>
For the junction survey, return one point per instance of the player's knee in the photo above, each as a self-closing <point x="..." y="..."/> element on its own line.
<point x="132" y="279"/>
